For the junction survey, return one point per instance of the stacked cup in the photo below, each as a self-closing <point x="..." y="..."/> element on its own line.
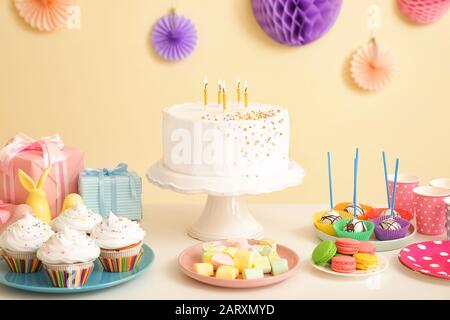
<point x="430" y="204"/>
<point x="447" y="205"/>
<point x="444" y="183"/>
<point x="405" y="198"/>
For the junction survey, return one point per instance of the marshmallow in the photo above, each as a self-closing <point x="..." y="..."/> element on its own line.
<point x="231" y="251"/>
<point x="205" y="269"/>
<point x="243" y="259"/>
<point x="262" y="263"/>
<point x="221" y="259"/>
<point x="227" y="273"/>
<point x="252" y="273"/>
<point x="279" y="266"/>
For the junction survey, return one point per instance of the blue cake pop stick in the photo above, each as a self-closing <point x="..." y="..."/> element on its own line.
<point x="394" y="191"/>
<point x="355" y="178"/>
<point x="386" y="180"/>
<point x="330" y="181"/>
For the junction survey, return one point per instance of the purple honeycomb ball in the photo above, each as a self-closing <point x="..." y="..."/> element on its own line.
<point x="296" y="22"/>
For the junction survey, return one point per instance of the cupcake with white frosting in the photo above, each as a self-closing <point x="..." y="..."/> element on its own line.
<point x="79" y="218"/>
<point x="68" y="258"/>
<point x="20" y="242"/>
<point x="120" y="242"/>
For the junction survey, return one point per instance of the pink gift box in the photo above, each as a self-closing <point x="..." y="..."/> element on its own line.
<point x="62" y="179"/>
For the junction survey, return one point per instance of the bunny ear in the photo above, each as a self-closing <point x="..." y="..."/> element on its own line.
<point x="43" y="178"/>
<point x="26" y="182"/>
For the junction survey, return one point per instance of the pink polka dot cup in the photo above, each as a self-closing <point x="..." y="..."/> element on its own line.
<point x="405" y="198"/>
<point x="430" y="209"/>
<point x="441" y="183"/>
<point x="447" y="208"/>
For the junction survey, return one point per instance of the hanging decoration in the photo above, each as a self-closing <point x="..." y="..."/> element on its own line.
<point x="174" y="37"/>
<point x="45" y="15"/>
<point x="296" y="22"/>
<point x="423" y="11"/>
<point x="372" y="66"/>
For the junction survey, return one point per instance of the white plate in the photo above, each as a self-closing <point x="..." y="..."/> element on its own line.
<point x="380" y="246"/>
<point x="383" y="264"/>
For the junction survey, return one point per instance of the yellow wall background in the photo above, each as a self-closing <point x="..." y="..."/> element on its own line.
<point x="102" y="88"/>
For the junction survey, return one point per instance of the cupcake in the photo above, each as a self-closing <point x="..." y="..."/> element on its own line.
<point x="20" y="242"/>
<point x="79" y="218"/>
<point x="120" y="242"/>
<point x="68" y="258"/>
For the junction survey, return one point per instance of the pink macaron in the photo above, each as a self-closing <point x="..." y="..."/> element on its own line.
<point x="366" y="247"/>
<point x="343" y="264"/>
<point x="347" y="246"/>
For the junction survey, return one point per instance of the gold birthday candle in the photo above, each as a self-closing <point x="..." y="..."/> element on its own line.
<point x="219" y="94"/>
<point x="205" y="92"/>
<point x="238" y="81"/>
<point x="224" y="97"/>
<point x="246" y="94"/>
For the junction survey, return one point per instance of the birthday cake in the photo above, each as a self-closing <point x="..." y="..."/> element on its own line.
<point x="247" y="141"/>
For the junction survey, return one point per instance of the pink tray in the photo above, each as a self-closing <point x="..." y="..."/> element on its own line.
<point x="192" y="255"/>
<point x="431" y="258"/>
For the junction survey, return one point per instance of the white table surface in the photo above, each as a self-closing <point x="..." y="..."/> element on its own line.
<point x="288" y="224"/>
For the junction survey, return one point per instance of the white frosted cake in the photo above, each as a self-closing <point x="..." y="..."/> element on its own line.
<point x="251" y="142"/>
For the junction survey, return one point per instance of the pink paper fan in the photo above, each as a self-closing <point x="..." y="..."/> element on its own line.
<point x="44" y="15"/>
<point x="372" y="66"/>
<point x="423" y="11"/>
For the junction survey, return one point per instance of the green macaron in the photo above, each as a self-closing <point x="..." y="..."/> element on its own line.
<point x="324" y="252"/>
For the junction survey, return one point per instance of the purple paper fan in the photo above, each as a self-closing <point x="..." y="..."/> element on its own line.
<point x="296" y="22"/>
<point x="174" y="37"/>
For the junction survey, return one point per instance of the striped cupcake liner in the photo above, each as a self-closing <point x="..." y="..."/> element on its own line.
<point x="120" y="264"/>
<point x="21" y="262"/>
<point x="69" y="276"/>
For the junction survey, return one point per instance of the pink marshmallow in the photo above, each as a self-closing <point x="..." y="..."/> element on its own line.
<point x="221" y="259"/>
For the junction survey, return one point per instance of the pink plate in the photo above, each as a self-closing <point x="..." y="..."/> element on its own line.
<point x="431" y="258"/>
<point x="192" y="255"/>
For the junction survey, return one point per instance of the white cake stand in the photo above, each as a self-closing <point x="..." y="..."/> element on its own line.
<point x="225" y="215"/>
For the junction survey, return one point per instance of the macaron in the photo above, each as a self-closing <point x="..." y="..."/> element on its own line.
<point x="324" y="252"/>
<point x="347" y="246"/>
<point x="343" y="264"/>
<point x="365" y="261"/>
<point x="366" y="247"/>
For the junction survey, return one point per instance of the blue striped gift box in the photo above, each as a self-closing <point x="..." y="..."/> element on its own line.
<point x="117" y="190"/>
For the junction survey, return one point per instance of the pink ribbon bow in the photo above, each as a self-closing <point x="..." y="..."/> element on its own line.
<point x="51" y="148"/>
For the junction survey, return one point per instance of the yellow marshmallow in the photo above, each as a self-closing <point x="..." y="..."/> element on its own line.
<point x="243" y="259"/>
<point x="262" y="263"/>
<point x="227" y="273"/>
<point x="207" y="256"/>
<point x="205" y="269"/>
<point x="268" y="242"/>
<point x="231" y="251"/>
<point x="273" y="255"/>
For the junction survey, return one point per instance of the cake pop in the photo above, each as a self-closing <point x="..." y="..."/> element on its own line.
<point x="355" y="226"/>
<point x="387" y="212"/>
<point x="359" y="209"/>
<point x="330" y="217"/>
<point x="390" y="224"/>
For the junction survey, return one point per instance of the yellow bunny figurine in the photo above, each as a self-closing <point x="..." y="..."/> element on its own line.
<point x="37" y="198"/>
<point x="71" y="201"/>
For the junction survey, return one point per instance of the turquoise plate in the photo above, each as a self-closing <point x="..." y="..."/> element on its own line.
<point x="39" y="282"/>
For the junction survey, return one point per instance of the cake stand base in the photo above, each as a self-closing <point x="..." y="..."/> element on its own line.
<point x="225" y="215"/>
<point x="225" y="218"/>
